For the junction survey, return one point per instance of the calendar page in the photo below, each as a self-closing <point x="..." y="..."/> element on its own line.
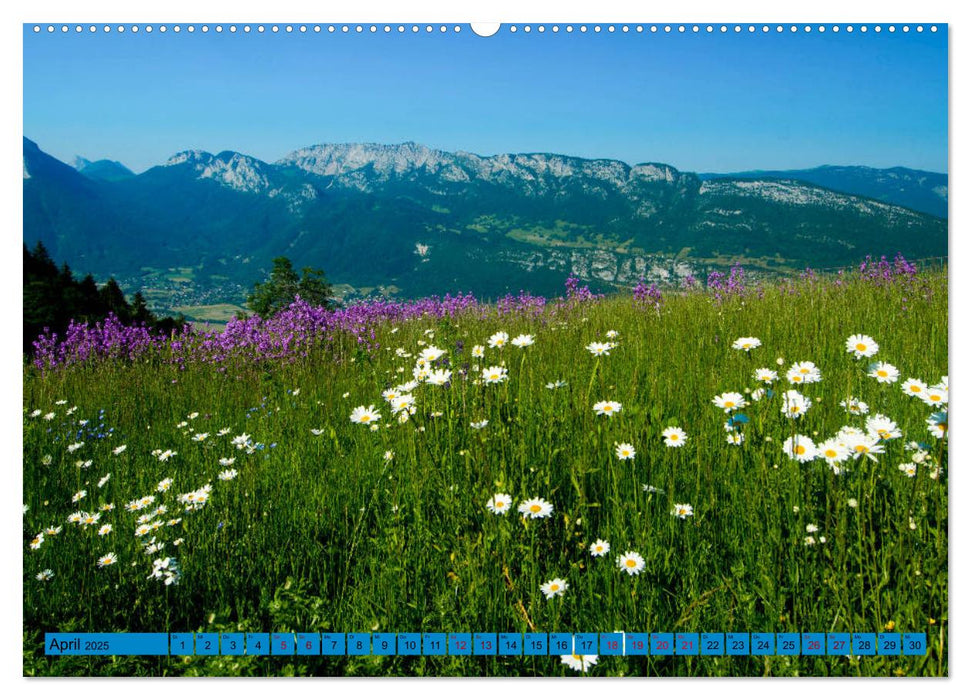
<point x="512" y="349"/>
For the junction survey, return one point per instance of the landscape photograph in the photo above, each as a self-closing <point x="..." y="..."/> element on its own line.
<point x="444" y="350"/>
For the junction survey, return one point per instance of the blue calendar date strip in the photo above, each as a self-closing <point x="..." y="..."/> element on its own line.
<point x="487" y="644"/>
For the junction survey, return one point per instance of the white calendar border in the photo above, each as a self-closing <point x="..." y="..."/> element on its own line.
<point x="441" y="11"/>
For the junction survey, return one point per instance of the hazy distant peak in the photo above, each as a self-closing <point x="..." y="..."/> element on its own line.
<point x="107" y="170"/>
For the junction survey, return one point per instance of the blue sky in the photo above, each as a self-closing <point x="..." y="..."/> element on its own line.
<point x="701" y="102"/>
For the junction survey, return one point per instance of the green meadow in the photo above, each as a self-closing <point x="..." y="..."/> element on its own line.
<point x="313" y="522"/>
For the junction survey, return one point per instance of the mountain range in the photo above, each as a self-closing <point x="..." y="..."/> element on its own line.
<point x="413" y="220"/>
<point x="917" y="189"/>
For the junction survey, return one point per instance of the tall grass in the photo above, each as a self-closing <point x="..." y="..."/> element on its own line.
<point x="320" y="532"/>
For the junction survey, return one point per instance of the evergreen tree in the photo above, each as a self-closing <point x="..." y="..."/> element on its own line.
<point x="315" y="289"/>
<point x="139" y="310"/>
<point x="114" y="301"/>
<point x="39" y="263"/>
<point x="53" y="298"/>
<point x="90" y="298"/>
<point x="283" y="287"/>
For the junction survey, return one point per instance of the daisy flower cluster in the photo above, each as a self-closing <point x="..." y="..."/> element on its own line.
<point x="432" y="368"/>
<point x="812" y="536"/>
<point x="146" y="514"/>
<point x="851" y="442"/>
<point x="532" y="508"/>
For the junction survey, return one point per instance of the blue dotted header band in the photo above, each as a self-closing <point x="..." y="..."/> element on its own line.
<point x="506" y="28"/>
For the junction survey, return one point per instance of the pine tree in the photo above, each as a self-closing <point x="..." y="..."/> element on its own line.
<point x="53" y="298"/>
<point x="139" y="310"/>
<point x="114" y="300"/>
<point x="283" y="287"/>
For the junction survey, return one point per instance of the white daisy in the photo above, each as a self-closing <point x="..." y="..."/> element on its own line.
<point x="600" y="349"/>
<point x="494" y="375"/>
<point x="624" y="450"/>
<point x="937" y="424"/>
<point x="674" y="436"/>
<point x="579" y="662"/>
<point x="803" y="373"/>
<point x="631" y="562"/>
<point x="914" y="387"/>
<point x="439" y="377"/>
<point x="884" y="372"/>
<point x="882" y="427"/>
<point x="607" y="408"/>
<point x="554" y="587"/>
<point x="500" y="503"/>
<point x="746" y="344"/>
<point x="365" y="415"/>
<point x="861" y="346"/>
<point x="599" y="548"/>
<point x="865" y="445"/>
<point x="833" y="451"/>
<point x="498" y="340"/>
<point x="935" y="395"/>
<point x="682" y="510"/>
<point x="730" y="401"/>
<point x="799" y="448"/>
<point x="536" y="508"/>
<point x="794" y="404"/>
<point x="431" y="353"/>
<point x="766" y="375"/>
<point x="855" y="407"/>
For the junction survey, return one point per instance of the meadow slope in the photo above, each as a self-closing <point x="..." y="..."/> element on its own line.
<point x="284" y="514"/>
